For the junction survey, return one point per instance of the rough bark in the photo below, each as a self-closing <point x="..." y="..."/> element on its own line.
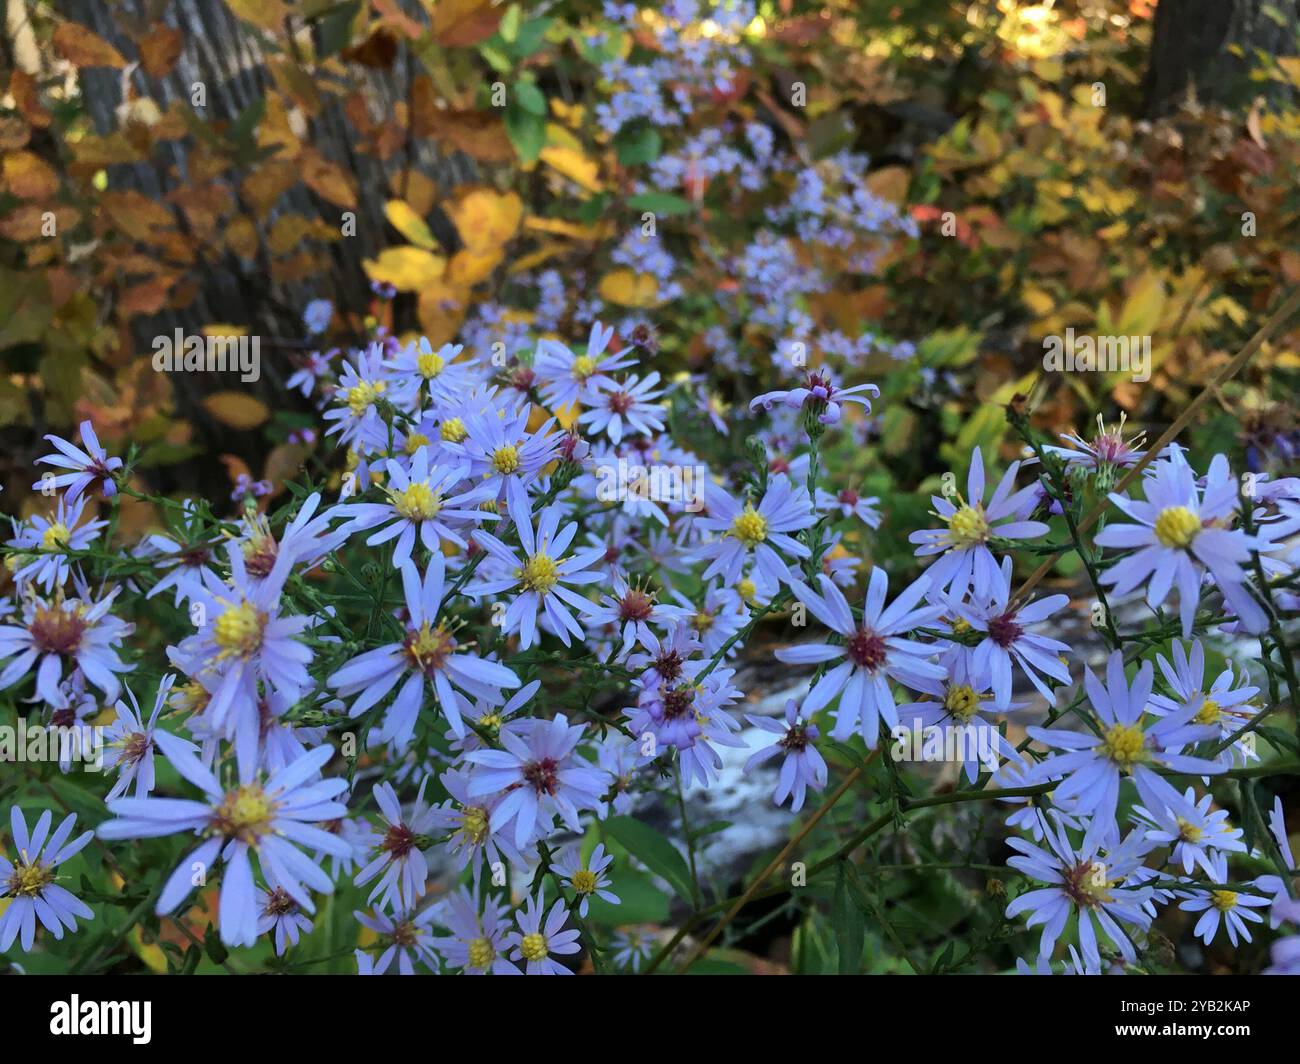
<point x="1193" y="44"/>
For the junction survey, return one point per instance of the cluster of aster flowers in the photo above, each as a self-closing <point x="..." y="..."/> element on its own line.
<point x="465" y="619"/>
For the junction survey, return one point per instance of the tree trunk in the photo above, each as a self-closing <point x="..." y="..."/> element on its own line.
<point x="228" y="58"/>
<point x="1194" y="42"/>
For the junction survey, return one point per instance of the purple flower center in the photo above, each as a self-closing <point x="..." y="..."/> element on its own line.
<point x="1004" y="630"/>
<point x="867" y="649"/>
<point x="543" y="776"/>
<point x="56" y="630"/>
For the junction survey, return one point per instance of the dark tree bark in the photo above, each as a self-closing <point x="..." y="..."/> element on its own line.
<point x="227" y="57"/>
<point x="1192" y="44"/>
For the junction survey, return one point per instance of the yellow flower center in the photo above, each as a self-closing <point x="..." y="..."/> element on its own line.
<point x="362" y="395"/>
<point x="746" y="589"/>
<point x="430" y="365"/>
<point x="533" y="946"/>
<point x="417" y="502"/>
<point x="702" y="622"/>
<point x="539" y="574"/>
<point x="415" y="441"/>
<point x="245" y="813"/>
<point x="28" y="880"/>
<point x="750" y="527"/>
<point x="584" y="881"/>
<point x="1209" y="713"/>
<point x="1124" y="744"/>
<point x="453" y="430"/>
<point x="481" y="953"/>
<point x="474" y="823"/>
<point x="1177" y="526"/>
<point x="583" y="367"/>
<point x="239" y="629"/>
<point x="55" y="537"/>
<point x="967" y="526"/>
<point x="961" y="701"/>
<point x="505" y="460"/>
<point x="427" y="647"/>
<point x="491" y="721"/>
<point x="1188" y="832"/>
<point x="1224" y="900"/>
<point x="960" y="626"/>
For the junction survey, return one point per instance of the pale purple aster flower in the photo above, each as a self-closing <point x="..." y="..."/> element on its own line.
<point x="691" y="716"/>
<point x="399" y="857"/>
<point x="502" y="453"/>
<point x="1130" y="744"/>
<point x="966" y="561"/>
<point x="802" y="766"/>
<point x="29" y="881"/>
<point x="280" y="913"/>
<point x="819" y="395"/>
<point x="425" y="504"/>
<point x="468" y="821"/>
<point x="477" y="945"/>
<point x="874" y="652"/>
<point x="435" y="372"/>
<point x="1105" y="453"/>
<point x="536" y="941"/>
<point x="54" y="536"/>
<point x="848" y="503"/>
<point x="427" y="655"/>
<point x="630" y="611"/>
<point x="631" y="947"/>
<point x="541" y="575"/>
<point x="961" y="714"/>
<point x="541" y="776"/>
<point x="129" y="743"/>
<point x="316" y="315"/>
<point x="360" y="388"/>
<point x="58" y="633"/>
<point x="406" y="937"/>
<point x="1179" y="533"/>
<point x="564" y="375"/>
<point x="586" y="878"/>
<point x="1230" y="907"/>
<point x="619" y="407"/>
<point x="1285" y="951"/>
<point x="244" y="640"/>
<point x="84" y="467"/>
<point x="744" y="530"/>
<point x="1009" y="639"/>
<point x="1194" y="834"/>
<point x="1094" y="884"/>
<point x="307" y="539"/>
<point x="1226" y="706"/>
<point x="1274" y="884"/>
<point x="312" y="368"/>
<point x="270" y="818"/>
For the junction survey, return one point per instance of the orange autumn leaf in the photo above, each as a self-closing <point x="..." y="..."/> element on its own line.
<point x="238" y="410"/>
<point x="29" y="176"/>
<point x="83" y="48"/>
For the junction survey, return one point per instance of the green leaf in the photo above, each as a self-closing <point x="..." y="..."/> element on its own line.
<point x="212" y="943"/>
<point x="638" y="146"/>
<point x="849" y="926"/>
<point x="654" y="851"/>
<point x="659" y="203"/>
<point x="527" y="132"/>
<point x="530" y="98"/>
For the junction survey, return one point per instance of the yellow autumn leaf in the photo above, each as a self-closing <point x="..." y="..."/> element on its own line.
<point x="628" y="288"/>
<point x="402" y="217"/>
<point x="469" y="266"/>
<point x="406" y="268"/>
<point x="1143" y="307"/>
<point x="236" y="409"/>
<point x="1290" y="65"/>
<point x="578" y="167"/>
<point x="484" y="218"/>
<point x="559" y="227"/>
